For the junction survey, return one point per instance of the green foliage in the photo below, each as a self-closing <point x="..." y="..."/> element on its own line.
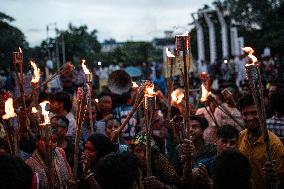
<point x="11" y="38"/>
<point x="261" y="22"/>
<point x="79" y="43"/>
<point x="132" y="53"/>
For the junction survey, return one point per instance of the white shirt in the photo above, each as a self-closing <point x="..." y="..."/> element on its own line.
<point x="224" y="119"/>
<point x="72" y="124"/>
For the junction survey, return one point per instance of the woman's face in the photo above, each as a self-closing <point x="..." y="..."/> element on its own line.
<point x="90" y="150"/>
<point x="106" y="104"/>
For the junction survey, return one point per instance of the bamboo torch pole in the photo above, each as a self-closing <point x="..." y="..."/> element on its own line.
<point x="254" y="77"/>
<point x="170" y="62"/>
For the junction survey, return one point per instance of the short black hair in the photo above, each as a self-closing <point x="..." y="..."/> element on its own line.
<point x="102" y="144"/>
<point x="14" y="173"/>
<point x="227" y="131"/>
<point x="118" y="170"/>
<point x="277" y="102"/>
<point x="231" y="169"/>
<point x="62" y="97"/>
<point x="202" y="120"/>
<point x="246" y="100"/>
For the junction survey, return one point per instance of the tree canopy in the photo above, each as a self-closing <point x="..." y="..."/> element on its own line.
<point x="11" y="38"/>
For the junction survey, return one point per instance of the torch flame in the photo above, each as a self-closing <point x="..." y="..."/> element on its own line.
<point x="36" y="75"/>
<point x="9" y="109"/>
<point x="134" y="85"/>
<point x="169" y="53"/>
<point x="44" y="112"/>
<point x="177" y="96"/>
<point x="96" y="100"/>
<point x="149" y="91"/>
<point x="20" y="50"/>
<point x="86" y="71"/>
<point x="34" y="110"/>
<point x="250" y="52"/>
<point x="204" y="94"/>
<point x="186" y="33"/>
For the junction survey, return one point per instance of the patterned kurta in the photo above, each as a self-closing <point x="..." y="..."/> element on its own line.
<point x="60" y="170"/>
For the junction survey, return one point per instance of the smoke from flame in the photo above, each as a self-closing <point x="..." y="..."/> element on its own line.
<point x="250" y="52"/>
<point x="36" y="75"/>
<point x="86" y="71"/>
<point x="169" y="53"/>
<point x="9" y="109"/>
<point x="44" y="112"/>
<point x="177" y="96"/>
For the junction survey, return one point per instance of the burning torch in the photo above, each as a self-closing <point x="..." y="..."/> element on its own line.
<point x="254" y="77"/>
<point x="183" y="47"/>
<point x="35" y="81"/>
<point x="149" y="107"/>
<point x="170" y="62"/>
<point x="11" y="127"/>
<point x="205" y="93"/>
<point x="89" y="82"/>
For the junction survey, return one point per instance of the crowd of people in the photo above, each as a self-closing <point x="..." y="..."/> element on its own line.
<point x="220" y="150"/>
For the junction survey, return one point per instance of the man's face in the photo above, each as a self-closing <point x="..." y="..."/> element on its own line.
<point x="226" y="144"/>
<point x="195" y="130"/>
<point x="140" y="152"/>
<point x="250" y="117"/>
<point x="55" y="106"/>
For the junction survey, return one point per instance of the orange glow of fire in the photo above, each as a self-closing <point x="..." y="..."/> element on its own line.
<point x="204" y="94"/>
<point x="134" y="85"/>
<point x="86" y="71"/>
<point x="9" y="109"/>
<point x="44" y="112"/>
<point x="34" y="110"/>
<point x="169" y="53"/>
<point x="149" y="91"/>
<point x="36" y="75"/>
<point x="177" y="96"/>
<point x="250" y="52"/>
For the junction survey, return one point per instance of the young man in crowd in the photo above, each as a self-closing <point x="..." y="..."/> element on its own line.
<point x="227" y="139"/>
<point x="251" y="144"/>
<point x="59" y="126"/>
<point x="61" y="105"/>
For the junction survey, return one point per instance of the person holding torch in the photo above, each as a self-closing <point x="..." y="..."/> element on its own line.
<point x="251" y="144"/>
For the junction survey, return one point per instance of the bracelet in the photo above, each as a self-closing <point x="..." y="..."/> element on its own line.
<point x="88" y="176"/>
